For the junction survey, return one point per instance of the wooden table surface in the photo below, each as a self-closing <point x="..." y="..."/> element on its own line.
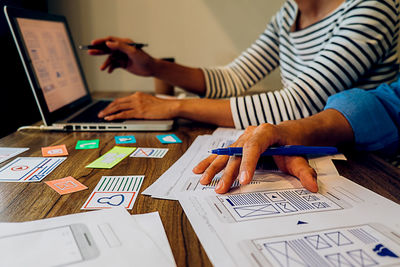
<point x="32" y="201"/>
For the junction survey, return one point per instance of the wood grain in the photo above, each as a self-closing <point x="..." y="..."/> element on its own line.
<point x="32" y="201"/>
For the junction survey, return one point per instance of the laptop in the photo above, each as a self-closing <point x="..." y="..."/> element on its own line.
<point x="47" y="51"/>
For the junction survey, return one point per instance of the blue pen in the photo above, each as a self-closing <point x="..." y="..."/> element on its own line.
<point x="281" y="150"/>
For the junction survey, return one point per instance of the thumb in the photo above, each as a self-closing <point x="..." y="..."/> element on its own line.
<point x="120" y="46"/>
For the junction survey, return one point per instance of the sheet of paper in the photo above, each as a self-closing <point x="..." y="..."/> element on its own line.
<point x="9" y="152"/>
<point x="99" y="238"/>
<point x="179" y="177"/>
<point x="66" y="185"/>
<point x="29" y="169"/>
<point x="111" y="158"/>
<point x="54" y="151"/>
<point x="148" y="152"/>
<point x="114" y="191"/>
<point x="342" y="223"/>
<point x="152" y="225"/>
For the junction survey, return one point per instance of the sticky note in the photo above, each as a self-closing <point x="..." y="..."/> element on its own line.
<point x="29" y="169"/>
<point x="111" y="158"/>
<point x="87" y="144"/>
<point x="66" y="185"/>
<point x="127" y="139"/>
<point x="54" y="151"/>
<point x="114" y="191"/>
<point x="169" y="139"/>
<point x="147" y="152"/>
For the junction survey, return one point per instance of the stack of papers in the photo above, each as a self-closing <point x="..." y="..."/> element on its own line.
<point x="274" y="221"/>
<point x="99" y="238"/>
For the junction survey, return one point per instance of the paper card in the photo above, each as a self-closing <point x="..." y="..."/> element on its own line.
<point x="66" y="185"/>
<point x="111" y="158"/>
<point x="147" y="152"/>
<point x="54" y="151"/>
<point x="87" y="144"/>
<point x="29" y="169"/>
<point x="114" y="191"/>
<point x="9" y="152"/>
<point x="127" y="139"/>
<point x="169" y="139"/>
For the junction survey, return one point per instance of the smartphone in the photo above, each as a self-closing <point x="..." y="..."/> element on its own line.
<point x="59" y="246"/>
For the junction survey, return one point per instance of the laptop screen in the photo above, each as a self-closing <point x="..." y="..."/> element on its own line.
<point x="53" y="60"/>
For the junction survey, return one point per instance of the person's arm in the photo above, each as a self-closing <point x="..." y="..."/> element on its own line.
<point x="329" y="127"/>
<point x="367" y="119"/>
<point x="140" y="63"/>
<point x="145" y="106"/>
<point x="362" y="43"/>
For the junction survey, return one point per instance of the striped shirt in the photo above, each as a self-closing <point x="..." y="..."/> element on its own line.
<point x="354" y="46"/>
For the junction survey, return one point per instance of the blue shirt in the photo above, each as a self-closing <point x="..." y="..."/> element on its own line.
<point x="374" y="115"/>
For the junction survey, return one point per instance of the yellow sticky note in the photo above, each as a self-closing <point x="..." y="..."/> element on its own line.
<point x="111" y="158"/>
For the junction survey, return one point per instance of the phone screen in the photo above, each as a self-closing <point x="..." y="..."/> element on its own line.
<point x="49" y="247"/>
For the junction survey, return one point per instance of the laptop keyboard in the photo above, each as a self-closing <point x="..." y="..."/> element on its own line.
<point x="90" y="114"/>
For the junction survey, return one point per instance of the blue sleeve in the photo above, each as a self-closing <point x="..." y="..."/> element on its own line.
<point x="372" y="124"/>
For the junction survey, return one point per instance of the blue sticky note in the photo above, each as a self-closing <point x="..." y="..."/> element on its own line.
<point x="126" y="139"/>
<point x="168" y="139"/>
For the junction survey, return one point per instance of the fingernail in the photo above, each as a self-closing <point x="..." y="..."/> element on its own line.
<point x="242" y="177"/>
<point x="203" y="176"/>
<point x="219" y="185"/>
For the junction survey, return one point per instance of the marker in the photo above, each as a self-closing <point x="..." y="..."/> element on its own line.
<point x="281" y="150"/>
<point x="106" y="49"/>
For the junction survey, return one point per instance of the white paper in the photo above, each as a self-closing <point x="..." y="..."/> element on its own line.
<point x="29" y="169"/>
<point x="179" y="177"/>
<point x="115" y="240"/>
<point x="152" y="225"/>
<point x="114" y="191"/>
<point x="258" y="231"/>
<point x="9" y="152"/>
<point x="148" y="152"/>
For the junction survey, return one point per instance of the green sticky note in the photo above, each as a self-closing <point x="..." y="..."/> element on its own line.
<point x="111" y="158"/>
<point x="87" y="144"/>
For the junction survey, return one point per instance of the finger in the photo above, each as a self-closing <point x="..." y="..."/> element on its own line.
<point x="203" y="165"/>
<point x="96" y="52"/>
<point x="230" y="173"/>
<point x="129" y="114"/>
<point x="102" y="40"/>
<point x="116" y="105"/>
<point x="120" y="46"/>
<point x="299" y="167"/>
<point x="251" y="153"/>
<point x="215" y="167"/>
<point x="106" y="63"/>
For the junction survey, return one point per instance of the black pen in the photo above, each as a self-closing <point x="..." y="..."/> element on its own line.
<point x="103" y="47"/>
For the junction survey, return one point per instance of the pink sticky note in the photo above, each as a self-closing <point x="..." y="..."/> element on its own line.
<point x="54" y="151"/>
<point x="66" y="185"/>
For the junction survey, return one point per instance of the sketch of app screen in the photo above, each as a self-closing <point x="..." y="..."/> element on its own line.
<point x="274" y="203"/>
<point x="58" y="246"/>
<point x="370" y="244"/>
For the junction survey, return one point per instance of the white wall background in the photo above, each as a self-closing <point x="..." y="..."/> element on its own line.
<point x="195" y="32"/>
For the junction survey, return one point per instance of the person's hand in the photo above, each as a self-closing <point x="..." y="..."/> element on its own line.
<point x="254" y="141"/>
<point x="139" y="106"/>
<point x="124" y="56"/>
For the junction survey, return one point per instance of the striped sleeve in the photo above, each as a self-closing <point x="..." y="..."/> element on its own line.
<point x="366" y="36"/>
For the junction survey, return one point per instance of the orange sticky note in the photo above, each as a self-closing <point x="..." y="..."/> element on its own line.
<point x="66" y="185"/>
<point x="54" y="151"/>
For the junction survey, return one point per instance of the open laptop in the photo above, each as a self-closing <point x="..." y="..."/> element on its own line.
<point x="54" y="72"/>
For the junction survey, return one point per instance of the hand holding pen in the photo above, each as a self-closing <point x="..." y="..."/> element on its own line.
<point x="255" y="141"/>
<point x="122" y="53"/>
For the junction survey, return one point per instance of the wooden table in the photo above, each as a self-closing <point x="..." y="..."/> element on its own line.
<point x="33" y="201"/>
